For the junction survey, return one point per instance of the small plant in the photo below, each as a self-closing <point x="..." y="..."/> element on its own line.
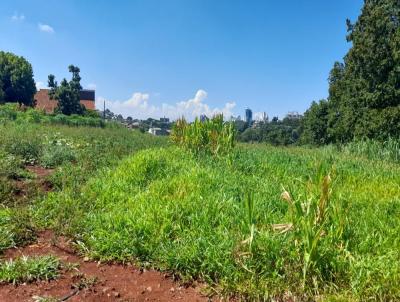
<point x="16" y="227"/>
<point x="28" y="269"/>
<point x="44" y="299"/>
<point x="81" y="281"/>
<point x="249" y="206"/>
<point x="317" y="229"/>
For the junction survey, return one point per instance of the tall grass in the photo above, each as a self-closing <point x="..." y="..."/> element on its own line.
<point x="212" y="136"/>
<point x="388" y="150"/>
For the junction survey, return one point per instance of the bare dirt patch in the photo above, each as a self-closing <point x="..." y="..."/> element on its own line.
<point x="24" y="189"/>
<point x="41" y="177"/>
<point x="91" y="281"/>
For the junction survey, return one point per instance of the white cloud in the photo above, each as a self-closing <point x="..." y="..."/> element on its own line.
<point x="46" y="28"/>
<point x="139" y="106"/>
<point x="40" y="85"/>
<point x="91" y="86"/>
<point x="18" y="17"/>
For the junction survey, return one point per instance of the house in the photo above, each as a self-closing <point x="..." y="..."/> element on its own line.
<point x="294" y="115"/>
<point x="158" y="131"/>
<point x="43" y="101"/>
<point x="164" y="120"/>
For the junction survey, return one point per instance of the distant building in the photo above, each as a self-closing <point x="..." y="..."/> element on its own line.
<point x="264" y="118"/>
<point x="43" y="101"/>
<point x="293" y="115"/>
<point x="164" y="120"/>
<point x="249" y="116"/>
<point x="157" y="131"/>
<point x="133" y="125"/>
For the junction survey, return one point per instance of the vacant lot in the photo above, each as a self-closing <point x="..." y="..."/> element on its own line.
<point x="257" y="223"/>
<point x="334" y="231"/>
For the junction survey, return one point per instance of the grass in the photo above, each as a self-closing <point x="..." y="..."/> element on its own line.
<point x="254" y="221"/>
<point x="12" y="112"/>
<point x="332" y="235"/>
<point x="29" y="269"/>
<point x="75" y="154"/>
<point x="388" y="150"/>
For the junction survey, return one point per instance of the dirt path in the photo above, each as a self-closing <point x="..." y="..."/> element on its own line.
<point x="90" y="281"/>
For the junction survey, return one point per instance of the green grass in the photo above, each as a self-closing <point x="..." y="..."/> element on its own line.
<point x="29" y="269"/>
<point x="388" y="150"/>
<point x="256" y="222"/>
<point x="225" y="221"/>
<point x="75" y="154"/>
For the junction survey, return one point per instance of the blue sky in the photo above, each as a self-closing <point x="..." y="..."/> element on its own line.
<point x="159" y="57"/>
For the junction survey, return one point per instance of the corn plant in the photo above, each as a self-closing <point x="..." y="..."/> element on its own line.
<point x="212" y="136"/>
<point x="317" y="224"/>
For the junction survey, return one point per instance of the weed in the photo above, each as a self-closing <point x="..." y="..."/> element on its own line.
<point x="28" y="269"/>
<point x="45" y="299"/>
<point x="81" y="281"/>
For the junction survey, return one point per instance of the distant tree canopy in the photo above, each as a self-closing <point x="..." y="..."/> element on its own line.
<point x="67" y="93"/>
<point x="276" y="132"/>
<point x="16" y="80"/>
<point x="364" y="90"/>
<point x="314" y="124"/>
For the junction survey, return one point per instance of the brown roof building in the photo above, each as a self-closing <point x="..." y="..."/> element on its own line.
<point x="43" y="101"/>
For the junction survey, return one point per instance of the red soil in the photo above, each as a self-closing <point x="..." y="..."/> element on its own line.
<point x="41" y="174"/>
<point x="114" y="282"/>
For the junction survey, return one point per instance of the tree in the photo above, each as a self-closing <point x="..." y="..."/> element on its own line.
<point x="68" y="93"/>
<point x="365" y="90"/>
<point x="1" y="93"/>
<point x="16" y="80"/>
<point x="315" y="124"/>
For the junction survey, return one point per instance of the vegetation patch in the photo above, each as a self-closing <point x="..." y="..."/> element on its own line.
<point x="29" y="269"/>
<point x="269" y="222"/>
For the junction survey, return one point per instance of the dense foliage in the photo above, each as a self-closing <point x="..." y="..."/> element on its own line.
<point x="16" y="80"/>
<point x="364" y="92"/>
<point x="276" y="132"/>
<point x="67" y="93"/>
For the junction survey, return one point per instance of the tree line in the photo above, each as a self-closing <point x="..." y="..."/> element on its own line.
<point x="18" y="86"/>
<point x="364" y="89"/>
